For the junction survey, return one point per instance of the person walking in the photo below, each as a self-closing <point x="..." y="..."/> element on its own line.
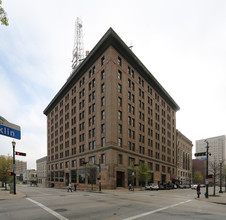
<point x="130" y="186"/>
<point x="69" y="187"/>
<point x="75" y="186"/>
<point x="198" y="190"/>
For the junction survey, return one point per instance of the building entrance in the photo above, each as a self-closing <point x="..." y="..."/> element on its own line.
<point x="120" y="179"/>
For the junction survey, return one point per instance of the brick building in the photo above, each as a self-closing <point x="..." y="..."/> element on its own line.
<point x="184" y="159"/>
<point x="112" y="112"/>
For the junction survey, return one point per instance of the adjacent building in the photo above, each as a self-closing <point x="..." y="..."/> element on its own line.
<point x="217" y="148"/>
<point x="41" y="166"/>
<point x="184" y="159"/>
<point x="113" y="114"/>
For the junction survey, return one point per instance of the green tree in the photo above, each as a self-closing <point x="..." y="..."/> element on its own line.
<point x="6" y="164"/>
<point x="142" y="173"/>
<point x="3" y="15"/>
<point x="198" y="178"/>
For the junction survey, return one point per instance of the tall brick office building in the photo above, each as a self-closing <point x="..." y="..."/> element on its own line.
<point x="113" y="112"/>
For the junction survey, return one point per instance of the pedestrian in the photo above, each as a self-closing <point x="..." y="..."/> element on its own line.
<point x="75" y="186"/>
<point x="69" y="187"/>
<point x="130" y="186"/>
<point x="198" y="190"/>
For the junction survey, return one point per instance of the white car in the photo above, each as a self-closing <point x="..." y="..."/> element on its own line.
<point x="194" y="186"/>
<point x="152" y="186"/>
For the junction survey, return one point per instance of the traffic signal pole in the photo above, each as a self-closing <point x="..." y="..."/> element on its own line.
<point x="14" y="166"/>
<point x="207" y="176"/>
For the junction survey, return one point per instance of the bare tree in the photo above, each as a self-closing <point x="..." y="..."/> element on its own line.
<point x="214" y="168"/>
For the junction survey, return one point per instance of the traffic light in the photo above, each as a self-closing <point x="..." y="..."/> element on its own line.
<point x="20" y="154"/>
<point x="200" y="154"/>
<point x="11" y="173"/>
<point x="211" y="176"/>
<point x="83" y="163"/>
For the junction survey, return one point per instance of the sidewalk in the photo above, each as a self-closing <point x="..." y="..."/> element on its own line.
<point x="5" y="195"/>
<point x="220" y="198"/>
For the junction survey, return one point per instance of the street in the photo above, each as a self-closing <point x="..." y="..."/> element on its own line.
<point x="122" y="204"/>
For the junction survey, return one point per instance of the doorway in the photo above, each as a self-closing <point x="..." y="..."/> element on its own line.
<point x="120" y="179"/>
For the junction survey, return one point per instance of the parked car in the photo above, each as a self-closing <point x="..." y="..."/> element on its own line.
<point x="202" y="185"/>
<point x="152" y="186"/>
<point x="161" y="187"/>
<point x="193" y="186"/>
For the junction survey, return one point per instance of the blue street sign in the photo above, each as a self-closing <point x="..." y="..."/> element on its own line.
<point x="203" y="159"/>
<point x="9" y="129"/>
<point x="10" y="132"/>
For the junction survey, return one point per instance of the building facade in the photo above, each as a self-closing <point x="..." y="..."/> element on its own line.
<point x="217" y="148"/>
<point x="113" y="114"/>
<point x="41" y="166"/>
<point x="184" y="159"/>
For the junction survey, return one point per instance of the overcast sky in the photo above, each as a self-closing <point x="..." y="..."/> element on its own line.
<point x="182" y="43"/>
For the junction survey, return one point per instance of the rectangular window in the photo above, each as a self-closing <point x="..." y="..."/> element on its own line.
<point x="119" y="61"/>
<point x="102" y="61"/>
<point x="120" y="159"/>
<point x="119" y="101"/>
<point x="119" y="74"/>
<point x="119" y="88"/>
<point x="102" y="128"/>
<point x="119" y="115"/>
<point x="102" y="101"/>
<point x="120" y="142"/>
<point x="102" y="74"/>
<point x="102" y="115"/>
<point x="102" y="142"/>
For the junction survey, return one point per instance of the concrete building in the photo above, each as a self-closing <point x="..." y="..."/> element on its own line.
<point x="217" y="148"/>
<point x="113" y="112"/>
<point x="184" y="159"/>
<point x="41" y="169"/>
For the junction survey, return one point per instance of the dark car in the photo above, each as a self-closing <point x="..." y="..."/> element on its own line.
<point x="161" y="187"/>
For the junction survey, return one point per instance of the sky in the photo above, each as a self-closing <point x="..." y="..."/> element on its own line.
<point x="182" y="43"/>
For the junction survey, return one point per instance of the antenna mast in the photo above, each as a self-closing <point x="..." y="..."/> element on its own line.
<point x="78" y="50"/>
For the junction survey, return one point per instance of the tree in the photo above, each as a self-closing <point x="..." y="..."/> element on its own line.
<point x="6" y="164"/>
<point x="142" y="173"/>
<point x="214" y="168"/>
<point x="3" y="15"/>
<point x="198" y="178"/>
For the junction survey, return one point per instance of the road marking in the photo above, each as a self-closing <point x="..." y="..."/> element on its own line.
<point x="47" y="209"/>
<point x="154" y="211"/>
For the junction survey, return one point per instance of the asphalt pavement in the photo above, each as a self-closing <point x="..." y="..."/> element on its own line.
<point x="220" y="198"/>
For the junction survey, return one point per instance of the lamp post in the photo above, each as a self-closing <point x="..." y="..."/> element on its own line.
<point x="14" y="167"/>
<point x="99" y="173"/>
<point x="221" y="162"/>
<point x="133" y="174"/>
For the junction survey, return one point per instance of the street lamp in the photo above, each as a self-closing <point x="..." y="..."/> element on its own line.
<point x="221" y="162"/>
<point x="99" y="173"/>
<point x="133" y="174"/>
<point x="14" y="167"/>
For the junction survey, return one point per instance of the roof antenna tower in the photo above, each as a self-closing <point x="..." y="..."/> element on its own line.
<point x="78" y="50"/>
